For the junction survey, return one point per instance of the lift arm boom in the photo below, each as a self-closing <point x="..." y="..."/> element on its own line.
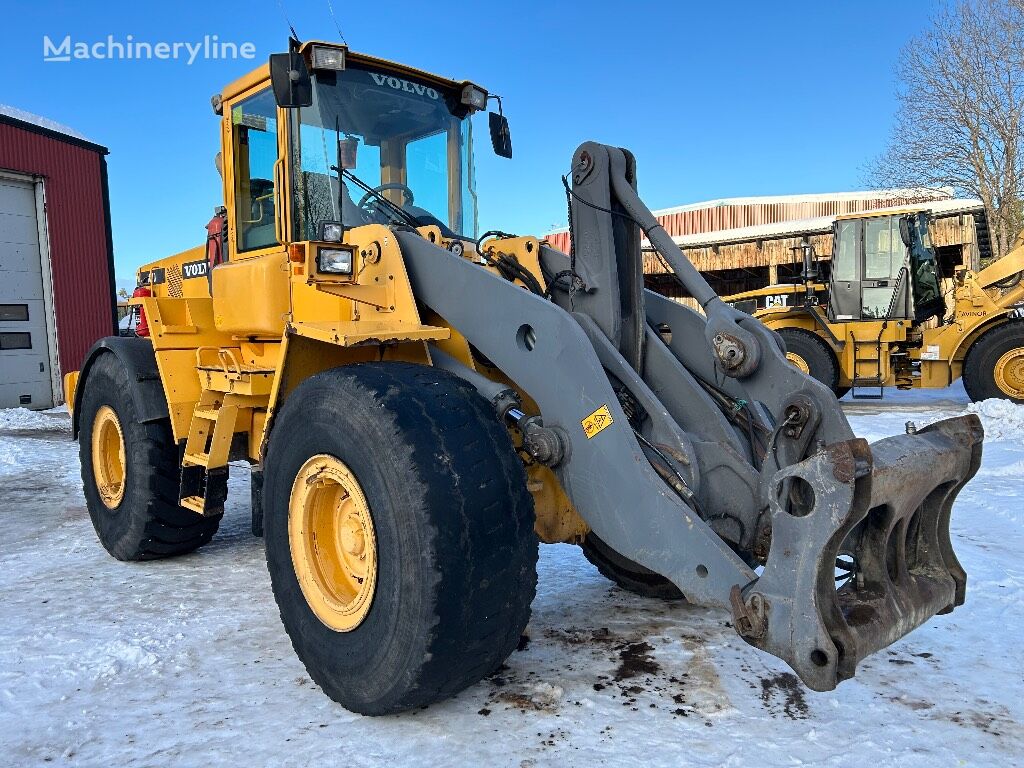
<point x="713" y="454"/>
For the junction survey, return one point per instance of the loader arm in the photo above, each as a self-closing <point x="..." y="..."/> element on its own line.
<point x="603" y="474"/>
<point x="743" y="347"/>
<point x="714" y="455"/>
<point x="1006" y="274"/>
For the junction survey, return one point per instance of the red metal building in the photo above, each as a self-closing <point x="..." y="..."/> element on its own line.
<point x="56" y="256"/>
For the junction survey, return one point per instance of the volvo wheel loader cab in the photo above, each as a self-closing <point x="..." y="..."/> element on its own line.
<point x="890" y="316"/>
<point x="419" y="405"/>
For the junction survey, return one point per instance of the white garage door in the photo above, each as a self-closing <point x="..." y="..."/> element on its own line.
<point x="24" y="347"/>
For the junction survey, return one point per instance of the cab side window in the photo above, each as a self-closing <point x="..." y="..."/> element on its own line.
<point x="254" y="136"/>
<point x="883" y="249"/>
<point x="844" y="263"/>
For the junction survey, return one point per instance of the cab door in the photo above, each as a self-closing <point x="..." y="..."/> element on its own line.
<point x="252" y="184"/>
<point x="885" y="280"/>
<point x="844" y="285"/>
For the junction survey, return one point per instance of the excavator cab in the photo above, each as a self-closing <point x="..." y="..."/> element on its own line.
<point x="884" y="268"/>
<point x="368" y="144"/>
<point x="339" y="140"/>
<point x="870" y="270"/>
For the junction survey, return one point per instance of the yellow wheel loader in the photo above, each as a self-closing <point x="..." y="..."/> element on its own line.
<point x="419" y="406"/>
<point x="883" y="318"/>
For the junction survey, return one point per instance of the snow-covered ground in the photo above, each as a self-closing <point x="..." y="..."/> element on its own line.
<point x="185" y="662"/>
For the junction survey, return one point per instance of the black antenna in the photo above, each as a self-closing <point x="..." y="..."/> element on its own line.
<point x="295" y="35"/>
<point x="337" y="26"/>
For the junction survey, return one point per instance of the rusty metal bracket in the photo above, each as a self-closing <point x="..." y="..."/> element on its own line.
<point x="749" y="618"/>
<point x="886" y="509"/>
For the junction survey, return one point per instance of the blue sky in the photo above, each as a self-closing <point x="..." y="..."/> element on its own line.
<point x="715" y="99"/>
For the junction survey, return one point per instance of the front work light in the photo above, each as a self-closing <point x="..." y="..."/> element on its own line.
<point x="334" y="261"/>
<point x="331" y="231"/>
<point x="474" y="96"/>
<point x="322" y="57"/>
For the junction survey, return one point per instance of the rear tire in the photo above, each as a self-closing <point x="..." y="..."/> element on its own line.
<point x="994" y="364"/>
<point x="629" y="575"/>
<point x="816" y="356"/>
<point x="140" y="519"/>
<point x="453" y="566"/>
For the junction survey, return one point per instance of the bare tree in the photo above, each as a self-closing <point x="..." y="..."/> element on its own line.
<point x="961" y="104"/>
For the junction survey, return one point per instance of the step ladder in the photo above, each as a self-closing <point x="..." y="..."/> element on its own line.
<point x="867" y="382"/>
<point x="204" y="466"/>
<point x="230" y="390"/>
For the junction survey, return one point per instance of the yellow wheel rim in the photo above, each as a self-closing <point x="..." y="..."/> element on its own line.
<point x="108" y="462"/>
<point x="798" y="362"/>
<point x="1009" y="373"/>
<point x="332" y="542"/>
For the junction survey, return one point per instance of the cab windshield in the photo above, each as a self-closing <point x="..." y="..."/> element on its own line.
<point x="370" y="129"/>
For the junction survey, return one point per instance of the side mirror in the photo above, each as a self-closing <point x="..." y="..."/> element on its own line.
<point x="905" y="234"/>
<point x="289" y="77"/>
<point x="501" y="139"/>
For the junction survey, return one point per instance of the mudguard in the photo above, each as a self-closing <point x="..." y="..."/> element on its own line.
<point x="139" y="360"/>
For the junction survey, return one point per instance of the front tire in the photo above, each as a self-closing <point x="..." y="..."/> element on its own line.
<point x="812" y="356"/>
<point x="994" y="364"/>
<point x="131" y="473"/>
<point x="448" y="525"/>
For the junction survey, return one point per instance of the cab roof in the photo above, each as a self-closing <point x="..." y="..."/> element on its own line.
<point x="262" y="73"/>
<point x="880" y="212"/>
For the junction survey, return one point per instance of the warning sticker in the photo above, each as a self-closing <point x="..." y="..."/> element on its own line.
<point x="598" y="420"/>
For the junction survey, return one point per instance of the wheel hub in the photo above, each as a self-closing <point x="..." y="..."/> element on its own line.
<point x="798" y="362"/>
<point x="352" y="539"/>
<point x="108" y="457"/>
<point x="1009" y="373"/>
<point x="332" y="541"/>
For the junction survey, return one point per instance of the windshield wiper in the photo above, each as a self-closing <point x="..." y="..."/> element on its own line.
<point x="395" y="210"/>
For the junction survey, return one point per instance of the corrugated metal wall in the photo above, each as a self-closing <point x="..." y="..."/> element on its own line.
<point x="951" y="230"/>
<point x="76" y="213"/>
<point x="717" y="217"/>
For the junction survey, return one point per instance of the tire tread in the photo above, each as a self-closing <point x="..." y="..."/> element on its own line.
<point x="479" y="523"/>
<point x="158" y="526"/>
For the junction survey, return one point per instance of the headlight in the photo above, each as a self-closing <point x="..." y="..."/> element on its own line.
<point x="334" y="261"/>
<point x="322" y="57"/>
<point x="474" y="96"/>
<point x="330" y="232"/>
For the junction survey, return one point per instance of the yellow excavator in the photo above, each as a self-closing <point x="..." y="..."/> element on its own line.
<point x="887" y="317"/>
<point x="418" y="405"/>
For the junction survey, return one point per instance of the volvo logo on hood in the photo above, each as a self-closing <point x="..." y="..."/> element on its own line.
<point x="405" y="85"/>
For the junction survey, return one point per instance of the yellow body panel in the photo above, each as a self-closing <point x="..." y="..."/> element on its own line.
<point x="251" y="296"/>
<point x="860" y="339"/>
<point x="786" y="289"/>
